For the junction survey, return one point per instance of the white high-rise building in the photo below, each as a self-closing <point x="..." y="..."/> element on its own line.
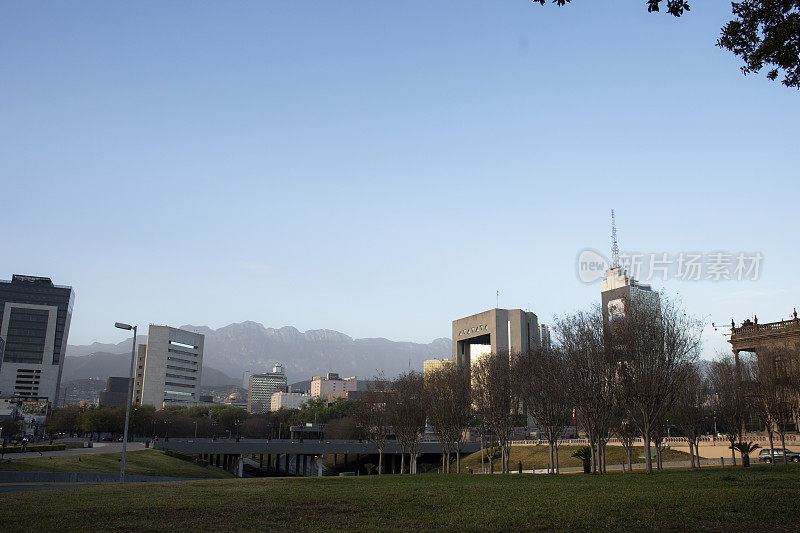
<point x="169" y="368"/>
<point x="544" y="336"/>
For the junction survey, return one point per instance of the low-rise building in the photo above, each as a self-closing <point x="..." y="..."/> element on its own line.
<point x="331" y="383"/>
<point x="432" y="365"/>
<point x="287" y="400"/>
<point x="115" y="393"/>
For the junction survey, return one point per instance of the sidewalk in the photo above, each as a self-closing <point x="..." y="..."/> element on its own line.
<point x="99" y="447"/>
<point x="637" y="467"/>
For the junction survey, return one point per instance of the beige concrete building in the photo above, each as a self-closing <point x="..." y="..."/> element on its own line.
<point x="287" y="400"/>
<point x="171" y="366"/>
<point x="331" y="383"/>
<point x="494" y="331"/>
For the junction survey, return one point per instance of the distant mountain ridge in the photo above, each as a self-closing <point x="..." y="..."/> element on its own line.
<point x="251" y="347"/>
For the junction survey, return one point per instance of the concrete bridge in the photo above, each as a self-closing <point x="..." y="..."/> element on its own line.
<point x="304" y="455"/>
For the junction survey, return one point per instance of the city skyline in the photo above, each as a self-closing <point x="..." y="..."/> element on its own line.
<point x="353" y="169"/>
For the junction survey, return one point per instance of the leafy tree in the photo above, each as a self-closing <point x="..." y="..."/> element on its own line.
<point x="763" y="33"/>
<point x="343" y="428"/>
<point x="766" y="33"/>
<point x="65" y="419"/>
<point x="102" y="420"/>
<point x="10" y="427"/>
<point x="256" y="427"/>
<point x="141" y="422"/>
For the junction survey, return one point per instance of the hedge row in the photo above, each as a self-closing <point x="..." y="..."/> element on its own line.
<point x="36" y="448"/>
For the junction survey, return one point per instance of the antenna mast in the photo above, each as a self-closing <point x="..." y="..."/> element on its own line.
<point x="614" y="247"/>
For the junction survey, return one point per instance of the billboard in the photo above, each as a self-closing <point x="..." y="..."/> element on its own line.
<point x="33" y="407"/>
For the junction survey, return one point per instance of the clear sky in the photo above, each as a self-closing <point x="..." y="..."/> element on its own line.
<point x="382" y="168"/>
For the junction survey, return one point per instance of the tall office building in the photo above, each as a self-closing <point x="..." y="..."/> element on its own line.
<point x="35" y="317"/>
<point x="259" y="392"/>
<point x="169" y="368"/>
<point x="507" y="331"/>
<point x="544" y="336"/>
<point x="619" y="290"/>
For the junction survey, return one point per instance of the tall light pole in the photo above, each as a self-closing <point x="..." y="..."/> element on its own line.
<point x="120" y="325"/>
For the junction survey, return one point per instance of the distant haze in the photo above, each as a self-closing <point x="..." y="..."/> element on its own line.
<point x="249" y="346"/>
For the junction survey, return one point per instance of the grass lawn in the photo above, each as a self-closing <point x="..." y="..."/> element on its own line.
<point x="734" y="499"/>
<point x="141" y="462"/>
<point x="539" y="456"/>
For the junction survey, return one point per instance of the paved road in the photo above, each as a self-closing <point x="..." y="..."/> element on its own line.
<point x="99" y="447"/>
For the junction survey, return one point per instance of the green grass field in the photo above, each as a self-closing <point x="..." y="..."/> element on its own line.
<point x="760" y="498"/>
<point x="540" y="455"/>
<point x="142" y="462"/>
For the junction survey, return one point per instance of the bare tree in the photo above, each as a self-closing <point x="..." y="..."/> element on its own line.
<point x="493" y="398"/>
<point x="406" y="409"/>
<point x="767" y="384"/>
<point x="653" y="345"/>
<point x="448" y="408"/>
<point x="541" y="377"/>
<point x="371" y="415"/>
<point x="727" y="402"/>
<point x="691" y="409"/>
<point x="627" y="432"/>
<point x="592" y="377"/>
<point x="782" y="363"/>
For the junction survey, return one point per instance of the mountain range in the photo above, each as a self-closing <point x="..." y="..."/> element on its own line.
<point x="248" y="346"/>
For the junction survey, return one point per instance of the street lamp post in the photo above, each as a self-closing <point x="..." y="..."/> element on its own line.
<point x="128" y="327"/>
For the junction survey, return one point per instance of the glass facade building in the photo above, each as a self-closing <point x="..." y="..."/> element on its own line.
<point x="261" y="387"/>
<point x="35" y="317"/>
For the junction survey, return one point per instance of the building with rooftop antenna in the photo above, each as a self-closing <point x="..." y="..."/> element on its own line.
<point x="619" y="289"/>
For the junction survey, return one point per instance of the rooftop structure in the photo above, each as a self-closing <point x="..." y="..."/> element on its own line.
<point x="494" y="331"/>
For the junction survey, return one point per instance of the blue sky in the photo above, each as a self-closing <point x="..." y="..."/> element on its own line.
<point x="382" y="168"/>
